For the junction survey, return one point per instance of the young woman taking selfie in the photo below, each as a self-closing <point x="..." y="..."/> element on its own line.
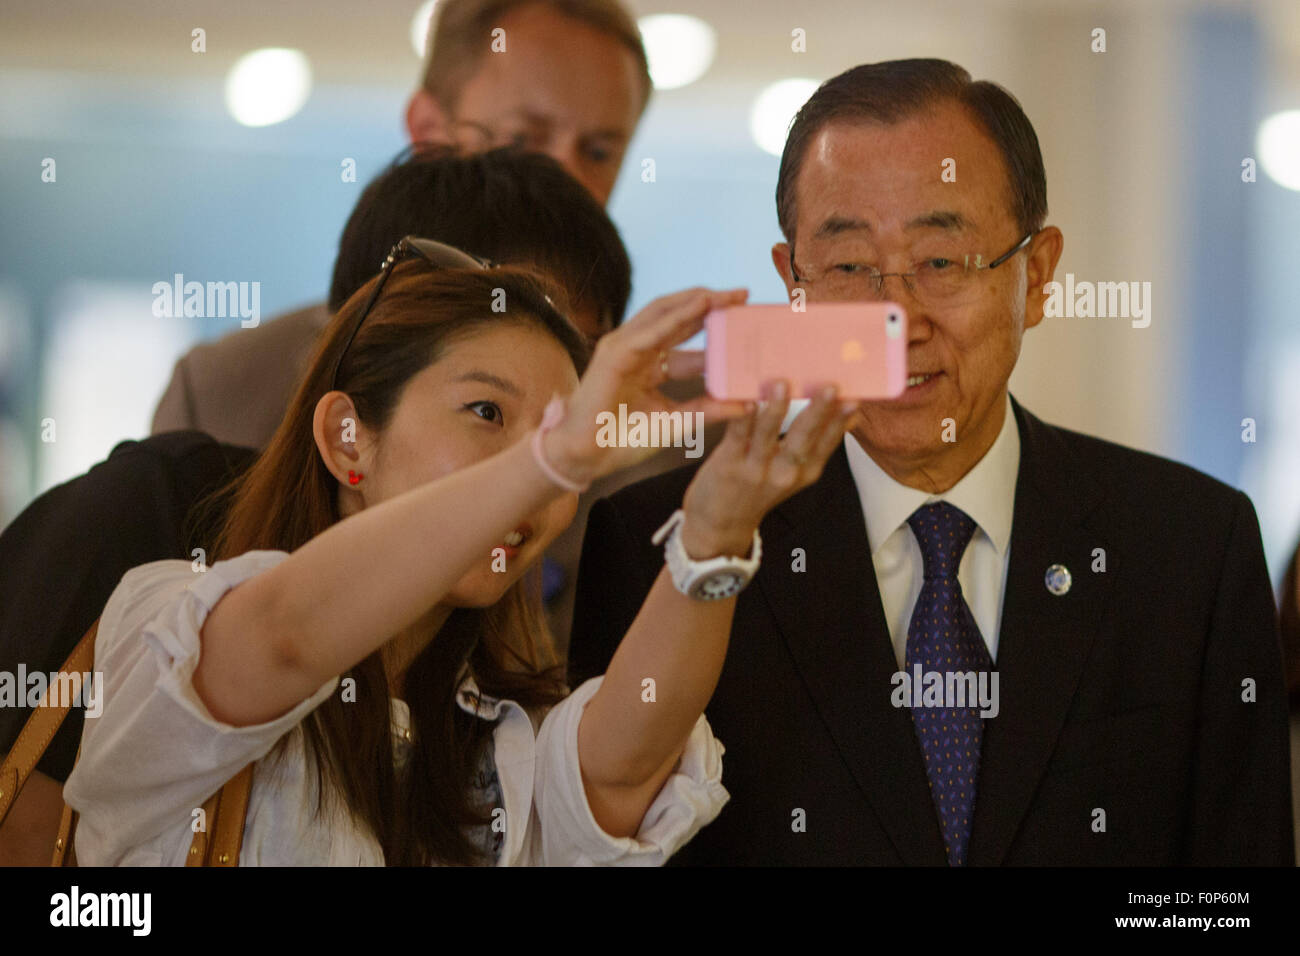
<point x="365" y="634"/>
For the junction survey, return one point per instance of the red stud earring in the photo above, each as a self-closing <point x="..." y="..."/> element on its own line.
<point x="354" y="476"/>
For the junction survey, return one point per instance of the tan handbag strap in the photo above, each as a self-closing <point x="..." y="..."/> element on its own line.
<point x="216" y="845"/>
<point x="224" y="811"/>
<point x="64" y="854"/>
<point x="41" y="727"/>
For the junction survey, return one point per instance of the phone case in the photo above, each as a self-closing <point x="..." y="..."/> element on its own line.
<point x="861" y="346"/>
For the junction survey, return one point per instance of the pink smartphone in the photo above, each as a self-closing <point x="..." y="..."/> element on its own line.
<point x="859" y="346"/>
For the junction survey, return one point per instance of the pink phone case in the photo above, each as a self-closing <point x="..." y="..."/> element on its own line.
<point x="861" y="346"/>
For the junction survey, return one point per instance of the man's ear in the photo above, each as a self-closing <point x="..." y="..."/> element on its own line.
<point x="781" y="259"/>
<point x="341" y="440"/>
<point x="1045" y="253"/>
<point x="426" y="120"/>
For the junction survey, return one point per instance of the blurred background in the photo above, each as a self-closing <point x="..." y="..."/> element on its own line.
<point x="156" y="171"/>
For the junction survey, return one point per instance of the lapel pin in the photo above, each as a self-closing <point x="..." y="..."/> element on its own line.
<point x="1058" y="579"/>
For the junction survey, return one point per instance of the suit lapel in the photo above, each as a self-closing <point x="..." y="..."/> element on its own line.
<point x="1044" y="638"/>
<point x="834" y="625"/>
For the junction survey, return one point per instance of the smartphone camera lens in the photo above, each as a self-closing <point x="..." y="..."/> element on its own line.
<point x="893" y="325"/>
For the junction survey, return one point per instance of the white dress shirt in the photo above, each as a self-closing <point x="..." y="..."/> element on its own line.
<point x="987" y="493"/>
<point x="155" y="754"/>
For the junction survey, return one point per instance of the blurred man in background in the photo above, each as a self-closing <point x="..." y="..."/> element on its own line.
<point x="568" y="78"/>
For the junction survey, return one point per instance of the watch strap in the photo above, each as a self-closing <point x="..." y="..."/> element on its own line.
<point x="692" y="577"/>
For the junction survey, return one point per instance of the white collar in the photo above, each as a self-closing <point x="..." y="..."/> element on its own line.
<point x="987" y="492"/>
<point x="474" y="701"/>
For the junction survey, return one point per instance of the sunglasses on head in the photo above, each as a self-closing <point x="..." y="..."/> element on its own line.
<point x="437" y="254"/>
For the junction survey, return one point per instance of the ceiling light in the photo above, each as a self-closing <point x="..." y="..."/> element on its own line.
<point x="1278" y="145"/>
<point x="268" y="86"/>
<point x="774" y="108"/>
<point x="678" y="47"/>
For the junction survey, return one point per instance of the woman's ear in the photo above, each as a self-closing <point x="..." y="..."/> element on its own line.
<point x="344" y="444"/>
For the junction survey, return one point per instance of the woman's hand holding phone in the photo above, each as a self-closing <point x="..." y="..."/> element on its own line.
<point x="755" y="468"/>
<point x="626" y="369"/>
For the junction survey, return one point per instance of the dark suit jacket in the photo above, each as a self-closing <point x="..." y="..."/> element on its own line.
<point x="1122" y="696"/>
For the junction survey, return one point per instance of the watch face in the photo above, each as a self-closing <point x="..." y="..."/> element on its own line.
<point x="721" y="585"/>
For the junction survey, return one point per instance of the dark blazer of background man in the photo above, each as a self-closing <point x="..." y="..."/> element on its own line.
<point x="1142" y="714"/>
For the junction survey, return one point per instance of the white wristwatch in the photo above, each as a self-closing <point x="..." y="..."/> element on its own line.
<point x="710" y="580"/>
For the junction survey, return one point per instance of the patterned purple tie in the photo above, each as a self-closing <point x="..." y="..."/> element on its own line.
<point x="944" y="637"/>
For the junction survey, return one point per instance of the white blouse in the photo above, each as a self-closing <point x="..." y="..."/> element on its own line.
<point x="155" y="754"/>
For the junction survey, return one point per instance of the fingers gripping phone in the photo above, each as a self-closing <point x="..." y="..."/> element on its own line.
<point x="859" y="346"/>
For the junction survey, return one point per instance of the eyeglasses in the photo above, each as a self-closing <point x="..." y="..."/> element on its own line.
<point x="437" y="254"/>
<point x="944" y="279"/>
<point x="475" y="137"/>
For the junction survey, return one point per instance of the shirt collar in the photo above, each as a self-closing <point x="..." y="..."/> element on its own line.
<point x="474" y="701"/>
<point x="468" y="697"/>
<point x="987" y="492"/>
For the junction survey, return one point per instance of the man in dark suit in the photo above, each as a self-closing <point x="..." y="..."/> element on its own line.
<point x="1112" y="609"/>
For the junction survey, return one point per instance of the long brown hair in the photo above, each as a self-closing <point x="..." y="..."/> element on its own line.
<point x="288" y="496"/>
